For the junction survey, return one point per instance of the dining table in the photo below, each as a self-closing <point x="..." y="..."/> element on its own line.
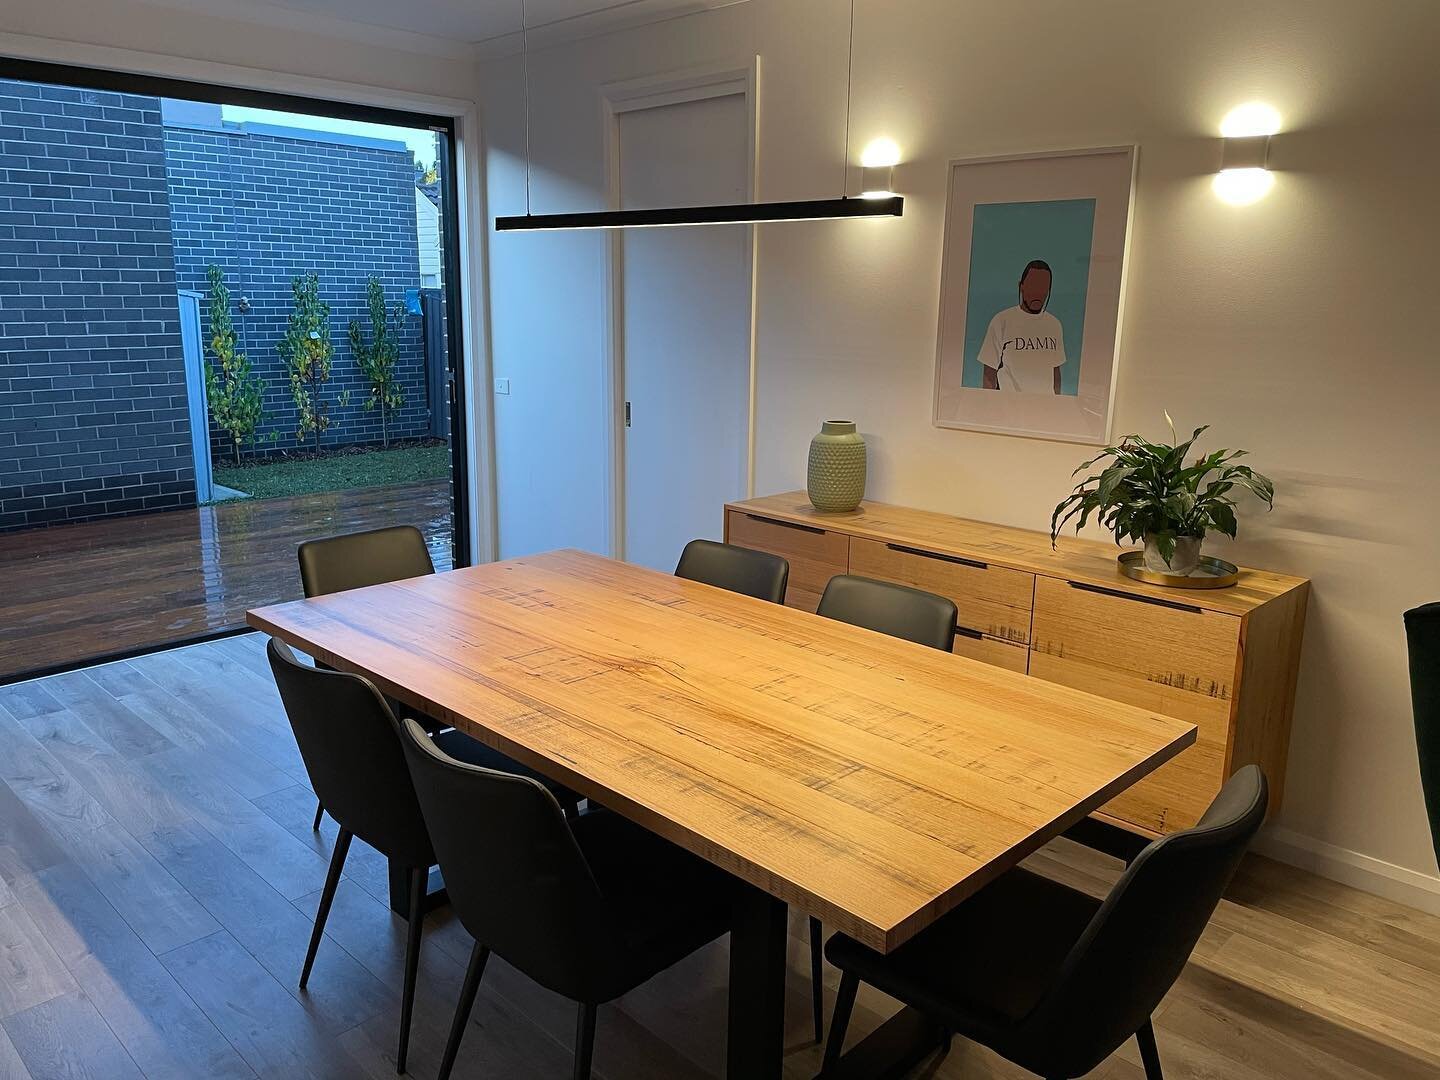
<point x="861" y="779"/>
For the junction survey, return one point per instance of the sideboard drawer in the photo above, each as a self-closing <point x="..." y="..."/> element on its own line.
<point x="1161" y="655"/>
<point x="815" y="555"/>
<point x="993" y="600"/>
<point x="1005" y="654"/>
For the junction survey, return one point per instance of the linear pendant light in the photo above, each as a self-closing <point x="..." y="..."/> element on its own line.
<point x="888" y="205"/>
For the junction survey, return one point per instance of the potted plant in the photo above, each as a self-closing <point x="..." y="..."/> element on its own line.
<point x="1146" y="492"/>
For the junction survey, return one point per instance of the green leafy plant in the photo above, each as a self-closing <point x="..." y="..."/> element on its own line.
<point x="378" y="356"/>
<point x="235" y="393"/>
<point x="1147" y="490"/>
<point x="307" y="351"/>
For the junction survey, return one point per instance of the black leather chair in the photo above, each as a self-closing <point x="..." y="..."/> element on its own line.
<point x="737" y="569"/>
<point x="346" y="734"/>
<point x="589" y="907"/>
<point x="1422" y="631"/>
<point x="355" y="560"/>
<point x="1050" y="978"/>
<point x="899" y="611"/>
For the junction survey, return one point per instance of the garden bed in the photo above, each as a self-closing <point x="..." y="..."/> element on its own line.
<point x="337" y="470"/>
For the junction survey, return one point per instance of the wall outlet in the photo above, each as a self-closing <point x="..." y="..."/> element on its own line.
<point x="502" y="386"/>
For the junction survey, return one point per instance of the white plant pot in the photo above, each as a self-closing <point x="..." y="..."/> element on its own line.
<point x="1185" y="560"/>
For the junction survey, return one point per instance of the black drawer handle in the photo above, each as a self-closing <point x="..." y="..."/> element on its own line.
<point x="1087" y="587"/>
<point x="786" y="524"/>
<point x="965" y="631"/>
<point x="936" y="555"/>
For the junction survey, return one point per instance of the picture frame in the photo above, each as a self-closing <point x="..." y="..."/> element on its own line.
<point x="1032" y="292"/>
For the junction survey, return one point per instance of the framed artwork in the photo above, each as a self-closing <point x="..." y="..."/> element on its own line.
<point x="1031" y="291"/>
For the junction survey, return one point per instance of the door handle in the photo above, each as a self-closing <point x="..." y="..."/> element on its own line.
<point x="1085" y="586"/>
<point x="937" y="556"/>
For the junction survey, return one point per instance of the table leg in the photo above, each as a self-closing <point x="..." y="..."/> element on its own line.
<point x="435" y="894"/>
<point x="756" y="1036"/>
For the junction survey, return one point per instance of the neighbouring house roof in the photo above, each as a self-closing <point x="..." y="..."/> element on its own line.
<point x="204" y="116"/>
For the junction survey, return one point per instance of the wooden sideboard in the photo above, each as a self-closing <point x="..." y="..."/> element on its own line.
<point x="1224" y="659"/>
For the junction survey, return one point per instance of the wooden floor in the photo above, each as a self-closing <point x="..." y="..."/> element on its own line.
<point x="158" y="876"/>
<point x="75" y="592"/>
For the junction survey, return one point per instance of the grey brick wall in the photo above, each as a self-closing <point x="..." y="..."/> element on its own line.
<point x="93" y="417"/>
<point x="267" y="208"/>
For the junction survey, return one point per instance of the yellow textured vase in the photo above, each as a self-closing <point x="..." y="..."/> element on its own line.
<point x="835" y="479"/>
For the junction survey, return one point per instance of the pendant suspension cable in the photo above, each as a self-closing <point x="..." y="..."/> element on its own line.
<point x="849" y="74"/>
<point x="525" y="63"/>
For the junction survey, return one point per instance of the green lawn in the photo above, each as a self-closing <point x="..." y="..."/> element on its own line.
<point x="371" y="468"/>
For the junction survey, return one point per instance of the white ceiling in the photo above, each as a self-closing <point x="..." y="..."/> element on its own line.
<point x="466" y="21"/>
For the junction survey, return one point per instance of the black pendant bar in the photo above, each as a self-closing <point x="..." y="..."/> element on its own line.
<point x="733" y="214"/>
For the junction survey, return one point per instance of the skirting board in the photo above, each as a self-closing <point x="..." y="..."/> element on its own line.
<point x="1364" y="872"/>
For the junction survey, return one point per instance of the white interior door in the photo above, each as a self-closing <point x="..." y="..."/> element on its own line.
<point x="684" y="325"/>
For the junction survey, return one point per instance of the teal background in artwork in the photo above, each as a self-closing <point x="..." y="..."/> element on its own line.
<point x="1006" y="236"/>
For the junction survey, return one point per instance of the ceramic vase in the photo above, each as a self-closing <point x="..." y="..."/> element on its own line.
<point x="835" y="479"/>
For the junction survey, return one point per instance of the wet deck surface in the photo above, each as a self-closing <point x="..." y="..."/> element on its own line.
<point x="76" y="592"/>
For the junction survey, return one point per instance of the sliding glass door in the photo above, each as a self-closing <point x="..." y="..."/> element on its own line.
<point x="225" y="328"/>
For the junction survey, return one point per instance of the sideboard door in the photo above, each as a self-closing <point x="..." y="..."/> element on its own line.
<point x="1162" y="655"/>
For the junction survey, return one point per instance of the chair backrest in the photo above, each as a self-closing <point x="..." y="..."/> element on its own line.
<point x="740" y="570"/>
<point x="346" y="735"/>
<point x="1143" y="934"/>
<point x="517" y="880"/>
<point x="338" y="563"/>
<point x="897" y="610"/>
<point x="1422" y="630"/>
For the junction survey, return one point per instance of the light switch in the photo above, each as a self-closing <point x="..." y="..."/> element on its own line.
<point x="502" y="386"/>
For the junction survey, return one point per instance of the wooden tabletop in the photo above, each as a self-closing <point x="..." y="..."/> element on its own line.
<point x="869" y="781"/>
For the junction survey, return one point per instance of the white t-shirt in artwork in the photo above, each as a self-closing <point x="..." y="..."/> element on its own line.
<point x="1025" y="349"/>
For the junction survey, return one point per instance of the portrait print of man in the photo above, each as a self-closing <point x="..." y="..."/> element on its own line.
<point x="1024" y="348"/>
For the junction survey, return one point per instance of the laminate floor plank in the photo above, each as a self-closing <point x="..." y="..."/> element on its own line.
<point x="120" y="785"/>
<point x="26" y="846"/>
<point x="273" y="1032"/>
<point x="208" y="745"/>
<point x="341" y="992"/>
<point x="30" y="971"/>
<point x="161" y="912"/>
<point x="65" y="1039"/>
<point x="293" y="808"/>
<point x="60" y="805"/>
<point x="128" y="734"/>
<point x="268" y="737"/>
<point x="289" y="866"/>
<point x="158" y="1024"/>
<point x="11" y="1067"/>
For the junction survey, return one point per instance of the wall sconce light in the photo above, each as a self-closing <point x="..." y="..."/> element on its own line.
<point x="1244" y="175"/>
<point x="877" y="169"/>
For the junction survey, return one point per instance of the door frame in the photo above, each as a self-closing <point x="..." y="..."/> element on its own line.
<point x="631" y="95"/>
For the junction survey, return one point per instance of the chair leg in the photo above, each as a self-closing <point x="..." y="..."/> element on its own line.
<point x="419" y="877"/>
<point x="478" y="955"/>
<point x="319" y="815"/>
<point x="584" y="1041"/>
<point x="817" y="986"/>
<point x="1149" y="1052"/>
<point x="840" y="1019"/>
<point x="327" y="895"/>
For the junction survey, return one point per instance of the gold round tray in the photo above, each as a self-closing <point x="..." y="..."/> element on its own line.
<point x="1212" y="573"/>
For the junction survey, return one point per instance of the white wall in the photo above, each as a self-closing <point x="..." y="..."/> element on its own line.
<point x="1298" y="327"/>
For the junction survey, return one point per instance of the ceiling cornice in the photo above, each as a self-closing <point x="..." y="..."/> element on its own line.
<point x="623" y="16"/>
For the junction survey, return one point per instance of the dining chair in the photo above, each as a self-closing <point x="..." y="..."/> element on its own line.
<point x="896" y="610"/>
<point x="736" y="569"/>
<point x="1422" y="632"/>
<point x="899" y="611"/>
<point x="1050" y="978"/>
<point x="374" y="557"/>
<point x="589" y="907"/>
<point x="346" y="734"/>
